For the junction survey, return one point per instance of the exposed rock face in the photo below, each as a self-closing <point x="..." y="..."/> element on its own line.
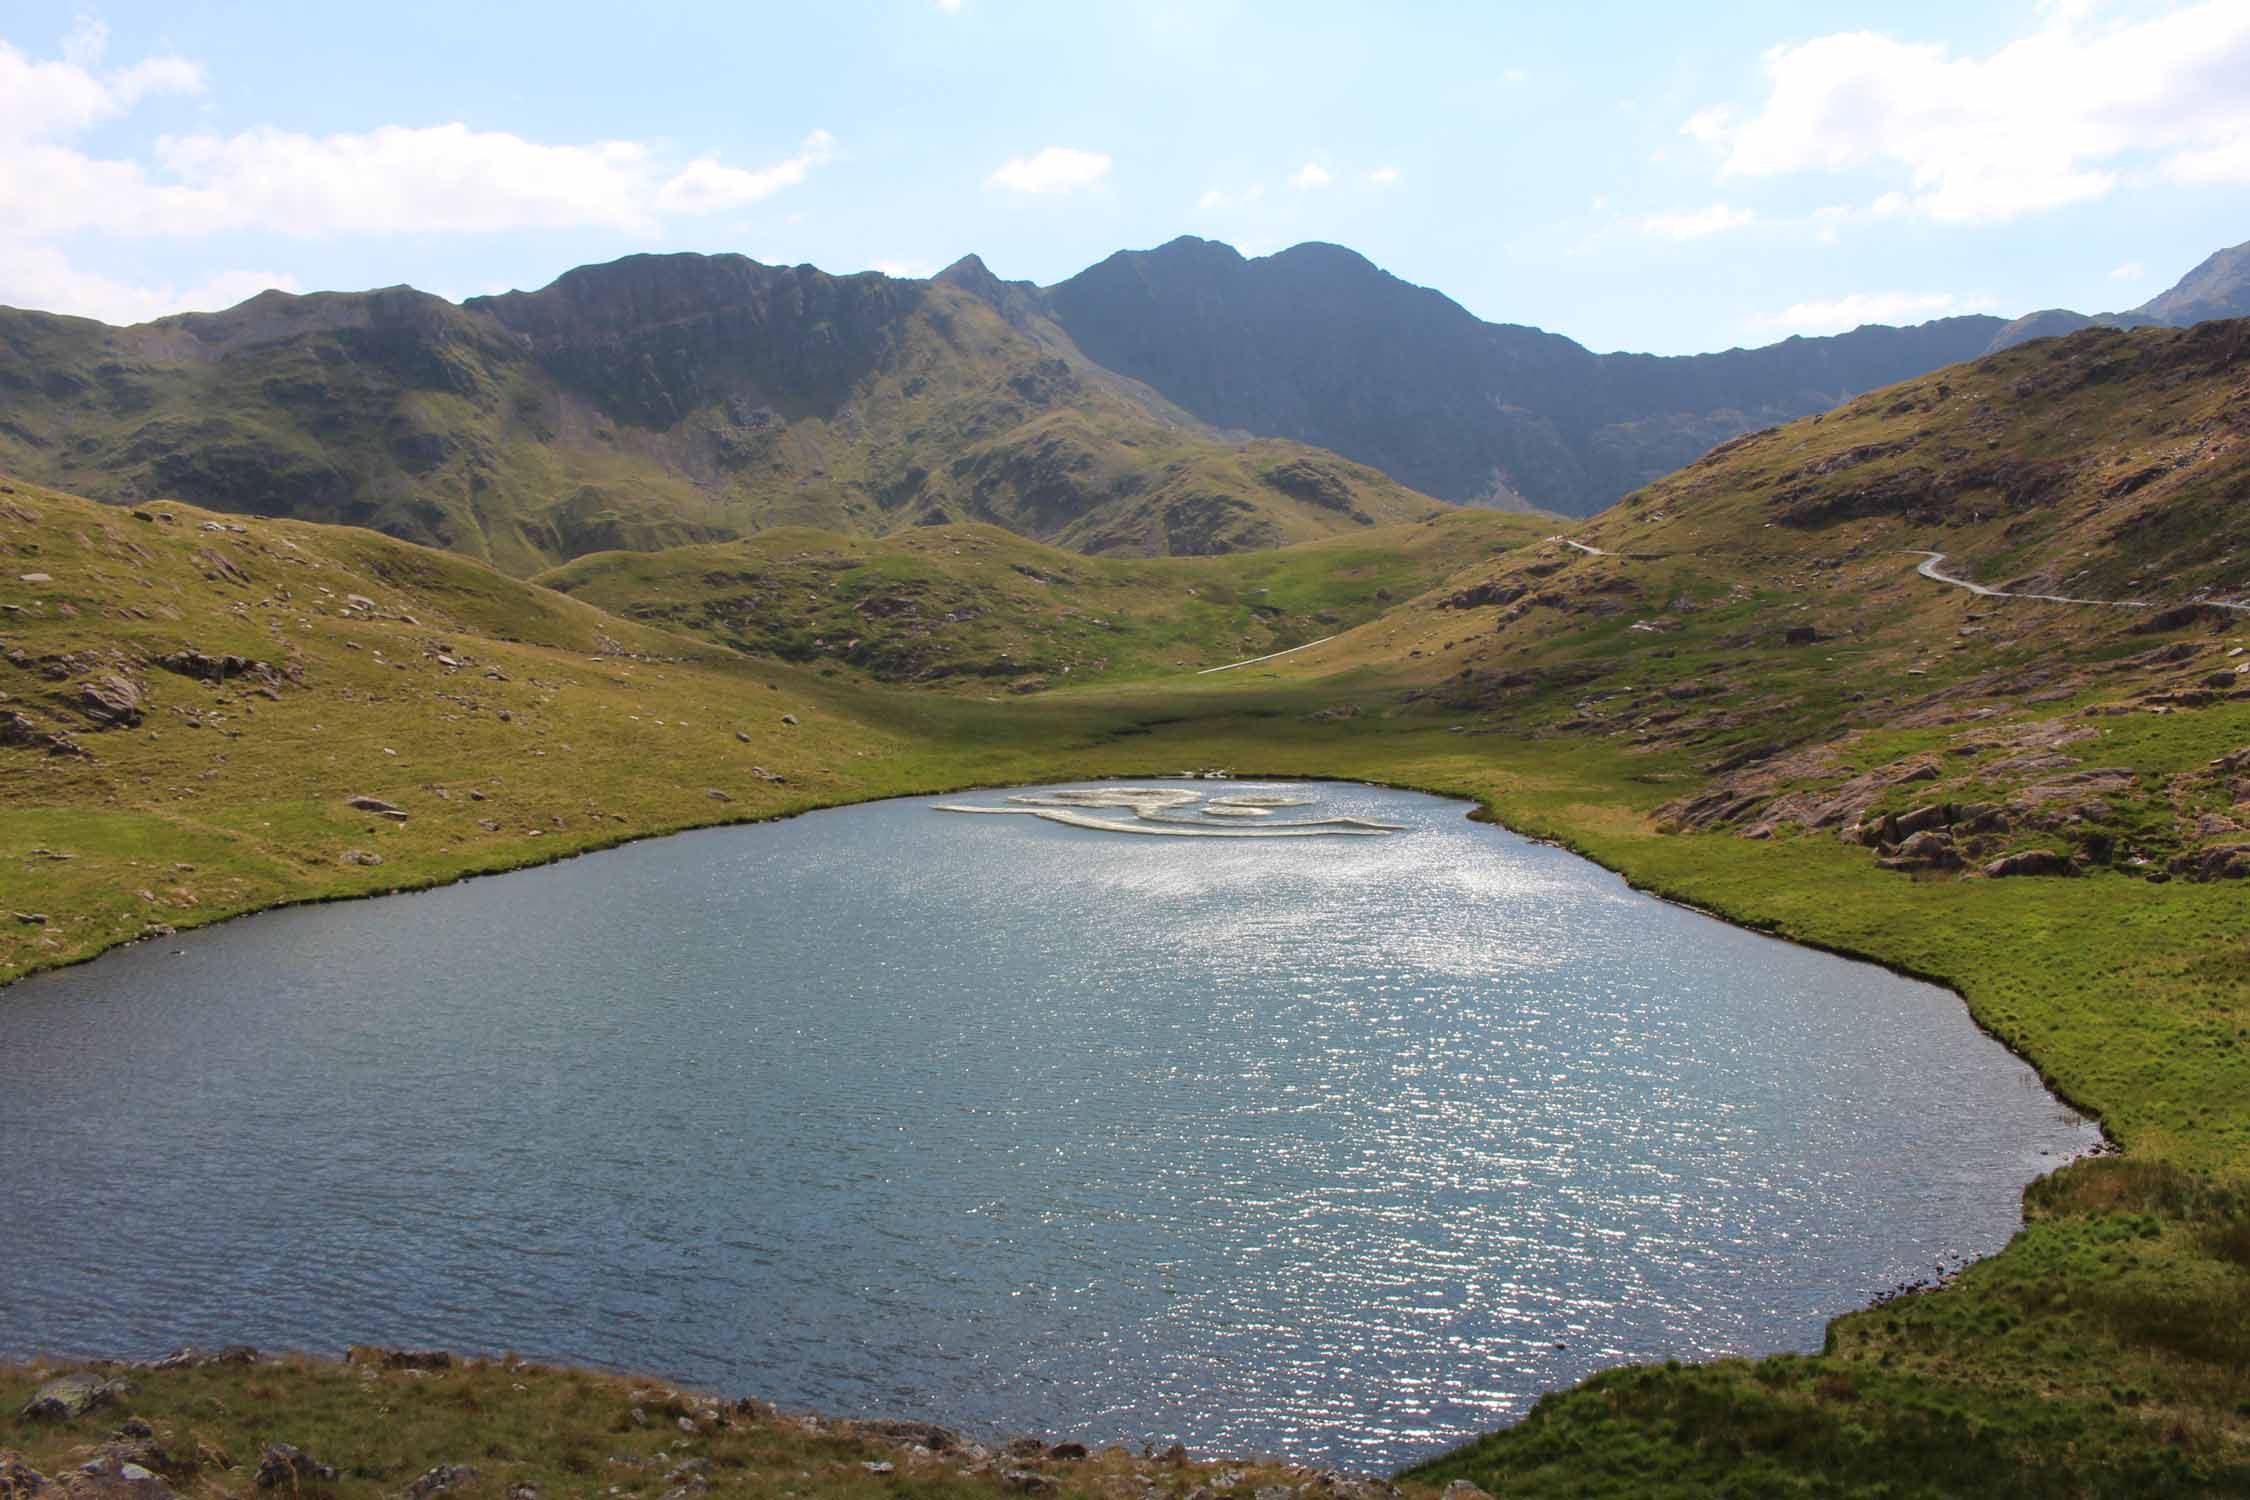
<point x="440" y="1479"/>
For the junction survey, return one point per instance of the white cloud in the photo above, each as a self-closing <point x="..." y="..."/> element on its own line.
<point x="1057" y="169"/>
<point x="85" y="42"/>
<point x="395" y="179"/>
<point x="1717" y="219"/>
<point x="42" y="277"/>
<point x="1311" y="175"/>
<point x="2059" y="116"/>
<point x="1383" y="176"/>
<point x="44" y="100"/>
<point x="1837" y="314"/>
<point x="1212" y="198"/>
<point x="1513" y="76"/>
<point x="950" y="7"/>
<point x="908" y="270"/>
<point x="707" y="186"/>
<point x="2132" y="270"/>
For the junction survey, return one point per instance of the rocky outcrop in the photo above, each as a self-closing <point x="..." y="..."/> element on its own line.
<point x="108" y="701"/>
<point x="2220" y="862"/>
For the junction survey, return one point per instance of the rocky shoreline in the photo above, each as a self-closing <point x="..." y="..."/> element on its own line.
<point x="109" y="1430"/>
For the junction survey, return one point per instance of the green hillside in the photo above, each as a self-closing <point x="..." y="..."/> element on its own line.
<point x="976" y="607"/>
<point x="652" y="402"/>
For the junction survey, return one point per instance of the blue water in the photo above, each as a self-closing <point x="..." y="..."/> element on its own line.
<point x="1337" y="1148"/>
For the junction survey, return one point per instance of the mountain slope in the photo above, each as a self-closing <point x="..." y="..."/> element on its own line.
<point x="1317" y="340"/>
<point x="650" y="402"/>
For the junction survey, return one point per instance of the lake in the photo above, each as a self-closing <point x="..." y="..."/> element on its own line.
<point x="1337" y="1147"/>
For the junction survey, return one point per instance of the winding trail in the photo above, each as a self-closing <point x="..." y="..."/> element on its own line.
<point x="1930" y="569"/>
<point x="1269" y="656"/>
<point x="1581" y="546"/>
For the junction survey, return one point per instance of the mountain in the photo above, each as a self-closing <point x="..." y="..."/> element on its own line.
<point x="2218" y="288"/>
<point x="1316" y="339"/>
<point x="650" y="402"/>
<point x="1183" y="401"/>
<point x="1318" y="344"/>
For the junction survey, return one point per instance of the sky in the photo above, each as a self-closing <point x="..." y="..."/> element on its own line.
<point x="1647" y="177"/>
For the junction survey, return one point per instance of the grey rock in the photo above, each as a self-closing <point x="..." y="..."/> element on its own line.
<point x="2030" y="862"/>
<point x="67" y="1397"/>
<point x="110" y="701"/>
<point x="440" y="1479"/>
<point x="285" y="1465"/>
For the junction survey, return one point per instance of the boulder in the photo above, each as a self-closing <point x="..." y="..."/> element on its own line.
<point x="360" y="857"/>
<point x="291" y="1467"/>
<point x="2030" y="862"/>
<point x="1931" y="849"/>
<point x="68" y="1397"/>
<point x="110" y="701"/>
<point x="376" y="805"/>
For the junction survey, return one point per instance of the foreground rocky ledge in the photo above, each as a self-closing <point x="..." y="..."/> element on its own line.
<point x="417" y="1424"/>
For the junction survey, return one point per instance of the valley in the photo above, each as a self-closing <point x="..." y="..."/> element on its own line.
<point x="1735" y="688"/>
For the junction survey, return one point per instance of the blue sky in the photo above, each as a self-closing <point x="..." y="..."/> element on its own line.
<point x="1641" y="177"/>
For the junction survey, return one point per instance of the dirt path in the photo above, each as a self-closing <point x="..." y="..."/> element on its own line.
<point x="1269" y="656"/>
<point x="1581" y="546"/>
<point x="1930" y="569"/>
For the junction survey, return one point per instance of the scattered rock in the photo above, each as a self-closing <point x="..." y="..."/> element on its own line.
<point x="114" y="1478"/>
<point x="18" y="1479"/>
<point x="32" y="918"/>
<point x="789" y="719"/>
<point x="765" y="775"/>
<point x="290" y="1466"/>
<point x="1026" y="1482"/>
<point x="360" y="857"/>
<point x="377" y="806"/>
<point x="398" y="1359"/>
<point x="1069" y="1452"/>
<point x="233" y="1354"/>
<point x="716" y="795"/>
<point x="33" y="578"/>
<point x="440" y="1479"/>
<point x="1461" y="1489"/>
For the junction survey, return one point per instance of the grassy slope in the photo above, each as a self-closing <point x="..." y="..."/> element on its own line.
<point x="2106" y="1351"/>
<point x="978" y="606"/>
